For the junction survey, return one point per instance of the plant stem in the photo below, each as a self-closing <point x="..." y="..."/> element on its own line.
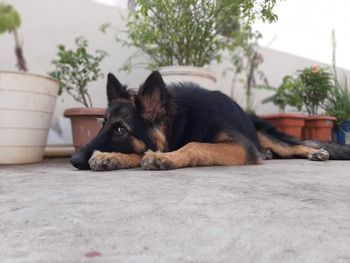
<point x="89" y="98"/>
<point x="21" y="63"/>
<point x="83" y="97"/>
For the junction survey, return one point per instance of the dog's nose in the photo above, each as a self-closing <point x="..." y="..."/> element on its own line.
<point x="80" y="161"/>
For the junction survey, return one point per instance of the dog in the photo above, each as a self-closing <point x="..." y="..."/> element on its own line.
<point x="164" y="127"/>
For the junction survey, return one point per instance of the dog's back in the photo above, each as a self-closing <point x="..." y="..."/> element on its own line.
<point x="201" y="114"/>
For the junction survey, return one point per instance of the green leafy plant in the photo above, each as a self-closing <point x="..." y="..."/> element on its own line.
<point x="309" y="90"/>
<point x="338" y="101"/>
<point x="287" y="94"/>
<point x="318" y="83"/>
<point x="76" y="68"/>
<point x="10" y="21"/>
<point x="190" y="32"/>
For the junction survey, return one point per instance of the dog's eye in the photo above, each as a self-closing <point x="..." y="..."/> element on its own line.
<point x="121" y="130"/>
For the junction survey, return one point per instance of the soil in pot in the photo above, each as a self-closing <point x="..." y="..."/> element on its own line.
<point x="291" y="124"/>
<point x="318" y="128"/>
<point x="85" y="124"/>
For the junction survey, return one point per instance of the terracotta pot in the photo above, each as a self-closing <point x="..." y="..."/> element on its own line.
<point x="291" y="124"/>
<point x="202" y="76"/>
<point x="85" y="125"/>
<point x="318" y="128"/>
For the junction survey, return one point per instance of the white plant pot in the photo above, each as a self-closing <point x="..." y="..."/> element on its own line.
<point x="201" y="76"/>
<point x="27" y="102"/>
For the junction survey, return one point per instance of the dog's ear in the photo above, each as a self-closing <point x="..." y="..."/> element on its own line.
<point x="115" y="90"/>
<point x="153" y="97"/>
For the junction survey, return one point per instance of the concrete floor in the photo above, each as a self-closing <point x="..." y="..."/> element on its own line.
<point x="281" y="211"/>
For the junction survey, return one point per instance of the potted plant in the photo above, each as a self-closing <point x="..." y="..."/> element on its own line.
<point x="287" y="94"/>
<point x="27" y="102"/>
<point x="318" y="83"/>
<point x="308" y="90"/>
<point x="338" y="105"/>
<point x="181" y="38"/>
<point x="75" y="69"/>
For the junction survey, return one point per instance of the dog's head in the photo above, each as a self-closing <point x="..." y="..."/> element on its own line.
<point x="133" y="123"/>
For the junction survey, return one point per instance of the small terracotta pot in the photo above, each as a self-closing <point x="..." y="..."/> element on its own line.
<point x="318" y="128"/>
<point x="291" y="124"/>
<point x="85" y="124"/>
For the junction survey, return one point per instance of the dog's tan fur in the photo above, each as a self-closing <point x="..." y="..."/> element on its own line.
<point x="196" y="154"/>
<point x="157" y="133"/>
<point x="102" y="161"/>
<point x="285" y="150"/>
<point x="138" y="145"/>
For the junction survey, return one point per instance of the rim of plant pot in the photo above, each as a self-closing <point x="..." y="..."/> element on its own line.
<point x="188" y="70"/>
<point x="319" y="121"/>
<point x="81" y="111"/>
<point x="284" y="115"/>
<point x="29" y="74"/>
<point x="321" y="117"/>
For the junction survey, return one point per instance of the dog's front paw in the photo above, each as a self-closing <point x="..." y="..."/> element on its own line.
<point x="320" y="155"/>
<point x="103" y="161"/>
<point x="156" y="161"/>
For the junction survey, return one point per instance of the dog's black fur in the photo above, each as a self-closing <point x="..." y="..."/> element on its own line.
<point x="183" y="125"/>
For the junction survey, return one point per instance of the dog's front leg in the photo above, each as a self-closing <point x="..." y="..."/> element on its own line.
<point x="107" y="161"/>
<point x="200" y="154"/>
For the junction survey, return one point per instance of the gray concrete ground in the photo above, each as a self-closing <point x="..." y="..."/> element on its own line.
<point x="281" y="211"/>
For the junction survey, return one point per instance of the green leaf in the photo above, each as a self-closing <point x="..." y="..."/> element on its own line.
<point x="191" y="32"/>
<point x="9" y="18"/>
<point x="76" y="68"/>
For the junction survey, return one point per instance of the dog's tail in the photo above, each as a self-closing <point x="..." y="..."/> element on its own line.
<point x="269" y="133"/>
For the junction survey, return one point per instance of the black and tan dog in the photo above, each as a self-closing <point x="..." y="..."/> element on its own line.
<point x="183" y="125"/>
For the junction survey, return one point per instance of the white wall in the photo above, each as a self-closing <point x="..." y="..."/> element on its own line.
<point x="304" y="28"/>
<point x="45" y="24"/>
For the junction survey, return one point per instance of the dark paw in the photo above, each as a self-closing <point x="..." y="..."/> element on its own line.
<point x="100" y="161"/>
<point x="320" y="155"/>
<point x="155" y="161"/>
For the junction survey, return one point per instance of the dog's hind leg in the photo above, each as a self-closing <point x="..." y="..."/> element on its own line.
<point x="285" y="150"/>
<point x="336" y="151"/>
